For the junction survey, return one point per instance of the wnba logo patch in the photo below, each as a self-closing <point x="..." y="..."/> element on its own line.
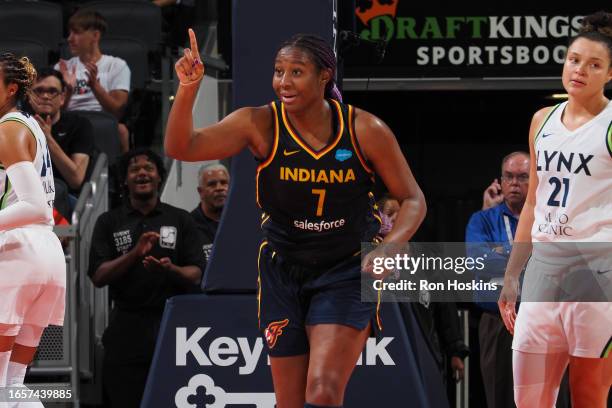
<point x="273" y="331"/>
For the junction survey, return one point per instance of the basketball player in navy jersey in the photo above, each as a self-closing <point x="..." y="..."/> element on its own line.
<point x="317" y="162"/>
<point x="566" y="203"/>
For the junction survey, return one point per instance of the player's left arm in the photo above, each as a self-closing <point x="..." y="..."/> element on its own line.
<point x="381" y="150"/>
<point x="17" y="150"/>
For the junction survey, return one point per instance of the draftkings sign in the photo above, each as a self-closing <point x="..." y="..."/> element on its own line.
<point x="463" y="39"/>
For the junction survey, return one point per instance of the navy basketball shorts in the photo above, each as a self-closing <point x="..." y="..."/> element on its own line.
<point x="291" y="297"/>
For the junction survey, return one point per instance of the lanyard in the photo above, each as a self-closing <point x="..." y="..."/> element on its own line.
<point x="508" y="230"/>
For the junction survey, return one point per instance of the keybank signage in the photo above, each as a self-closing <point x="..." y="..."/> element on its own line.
<point x="470" y="44"/>
<point x="231" y="368"/>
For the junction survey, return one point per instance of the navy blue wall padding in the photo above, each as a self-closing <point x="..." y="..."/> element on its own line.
<point x="258" y="28"/>
<point x="230" y="323"/>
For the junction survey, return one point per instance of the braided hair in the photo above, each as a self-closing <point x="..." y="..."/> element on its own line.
<point x="321" y="55"/>
<point x="18" y="71"/>
<point x="597" y="27"/>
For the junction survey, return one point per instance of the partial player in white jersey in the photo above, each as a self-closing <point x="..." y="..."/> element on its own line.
<point x="32" y="264"/>
<point x="569" y="200"/>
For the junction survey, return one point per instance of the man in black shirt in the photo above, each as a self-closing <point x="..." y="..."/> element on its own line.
<point x="213" y="183"/>
<point x="69" y="136"/>
<point x="147" y="252"/>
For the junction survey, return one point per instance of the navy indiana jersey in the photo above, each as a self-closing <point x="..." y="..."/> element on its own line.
<point x="318" y="205"/>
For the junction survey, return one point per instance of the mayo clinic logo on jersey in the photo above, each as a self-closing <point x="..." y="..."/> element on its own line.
<point x="343" y="154"/>
<point x="243" y="356"/>
<point x="556" y="225"/>
<point x="167" y="237"/>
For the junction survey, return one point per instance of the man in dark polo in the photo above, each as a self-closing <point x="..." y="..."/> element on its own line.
<point x="213" y="184"/>
<point x="146" y="252"/>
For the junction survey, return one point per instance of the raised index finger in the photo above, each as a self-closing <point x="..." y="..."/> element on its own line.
<point x="195" y="51"/>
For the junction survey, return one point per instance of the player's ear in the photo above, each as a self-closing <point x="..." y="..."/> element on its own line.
<point x="325" y="75"/>
<point x="12" y="89"/>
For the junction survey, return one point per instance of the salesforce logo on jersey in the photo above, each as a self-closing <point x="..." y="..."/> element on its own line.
<point x="343" y="154"/>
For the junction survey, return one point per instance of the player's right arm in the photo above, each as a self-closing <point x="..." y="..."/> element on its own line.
<point x="521" y="248"/>
<point x="17" y="150"/>
<point x="236" y="131"/>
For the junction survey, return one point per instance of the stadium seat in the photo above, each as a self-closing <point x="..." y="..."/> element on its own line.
<point x="34" y="50"/>
<point x="134" y="52"/>
<point x="133" y="19"/>
<point x="39" y="21"/>
<point x="106" y="137"/>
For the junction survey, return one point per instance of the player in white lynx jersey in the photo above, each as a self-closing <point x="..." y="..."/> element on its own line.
<point x="32" y="265"/>
<point x="569" y="200"/>
<point x="575" y="178"/>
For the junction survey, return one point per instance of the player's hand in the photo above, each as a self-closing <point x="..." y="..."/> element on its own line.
<point x="492" y="195"/>
<point x="372" y="263"/>
<point x="146" y="242"/>
<point x="189" y="68"/>
<point x="507" y="303"/>
<point x="68" y="74"/>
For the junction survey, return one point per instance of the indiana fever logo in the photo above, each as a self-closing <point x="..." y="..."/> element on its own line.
<point x="273" y="331"/>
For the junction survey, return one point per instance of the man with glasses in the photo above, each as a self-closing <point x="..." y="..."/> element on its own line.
<point x="496" y="225"/>
<point x="69" y="136"/>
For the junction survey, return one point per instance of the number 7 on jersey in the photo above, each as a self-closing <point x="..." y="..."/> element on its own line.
<point x="321" y="193"/>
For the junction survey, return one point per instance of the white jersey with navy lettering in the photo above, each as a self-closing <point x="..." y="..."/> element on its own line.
<point x="42" y="164"/>
<point x="574" y="194"/>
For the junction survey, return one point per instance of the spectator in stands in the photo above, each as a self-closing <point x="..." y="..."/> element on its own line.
<point x="69" y="136"/>
<point x="146" y="252"/>
<point x="213" y="183"/>
<point x="495" y="226"/>
<point x="95" y="81"/>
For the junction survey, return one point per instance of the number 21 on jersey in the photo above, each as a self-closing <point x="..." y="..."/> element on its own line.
<point x="560" y="191"/>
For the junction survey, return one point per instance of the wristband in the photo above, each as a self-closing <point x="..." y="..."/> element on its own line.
<point x="190" y="83"/>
